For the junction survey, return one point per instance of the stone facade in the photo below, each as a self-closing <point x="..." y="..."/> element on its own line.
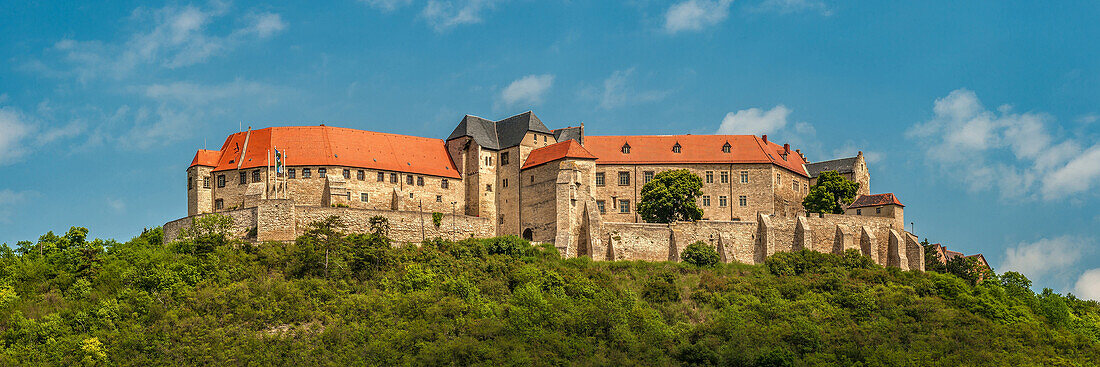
<point x="513" y="177"/>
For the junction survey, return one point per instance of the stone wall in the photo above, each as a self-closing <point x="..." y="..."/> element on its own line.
<point x="243" y="221"/>
<point x="751" y="242"/>
<point x="282" y="220"/>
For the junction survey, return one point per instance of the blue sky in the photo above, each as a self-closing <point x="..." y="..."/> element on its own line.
<point x="983" y="117"/>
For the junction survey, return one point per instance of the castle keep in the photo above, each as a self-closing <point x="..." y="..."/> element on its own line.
<point x="516" y="176"/>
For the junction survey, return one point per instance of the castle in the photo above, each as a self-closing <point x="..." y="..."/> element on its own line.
<point x="516" y="176"/>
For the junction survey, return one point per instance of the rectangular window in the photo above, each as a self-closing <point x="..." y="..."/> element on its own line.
<point x="290" y="173"/>
<point x="624" y="178"/>
<point x="408" y="179"/>
<point x="859" y="211"/>
<point x="219" y="204"/>
<point x="256" y="176"/>
<point x="599" y="178"/>
<point x="444" y="184"/>
<point x="306" y="173"/>
<point x="744" y="176"/>
<point x="243" y="179"/>
<point x="361" y="175"/>
<point x="504" y="183"/>
<point x="648" y="176"/>
<point x="439" y="198"/>
<point x="725" y="177"/>
<point x="878" y="210"/>
<point x="743" y="201"/>
<point x="381" y="177"/>
<point x="221" y="181"/>
<point x="419" y="180"/>
<point x="504" y="158"/>
<point x="624" y="206"/>
<point x="778" y="178"/>
<point x="489" y="187"/>
<point x="706" y="200"/>
<point x="190" y="182"/>
<point x="393" y="178"/>
<point x="206" y="182"/>
<point x="347" y="173"/>
<point x="794" y="185"/>
<point x="322" y="172"/>
<point x="502" y="219"/>
<point x="602" y="205"/>
<point x="710" y="177"/>
<point x="722" y="201"/>
<point x="363" y="197"/>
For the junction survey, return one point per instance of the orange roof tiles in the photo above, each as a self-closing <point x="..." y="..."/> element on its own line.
<point x="566" y="149"/>
<point x="657" y="149"/>
<point x="208" y="158"/>
<point x="335" y="146"/>
<point x="863" y="201"/>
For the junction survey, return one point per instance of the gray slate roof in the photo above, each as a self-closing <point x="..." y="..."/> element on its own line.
<point x="842" y="165"/>
<point x="501" y="134"/>
<point x="567" y="133"/>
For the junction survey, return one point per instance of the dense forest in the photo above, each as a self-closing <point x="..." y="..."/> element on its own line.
<point x="335" y="299"/>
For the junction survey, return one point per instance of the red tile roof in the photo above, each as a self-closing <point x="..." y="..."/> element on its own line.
<point x="566" y="149"/>
<point x="657" y="149"/>
<point x="863" y="201"/>
<point x="208" y="158"/>
<point x="335" y="146"/>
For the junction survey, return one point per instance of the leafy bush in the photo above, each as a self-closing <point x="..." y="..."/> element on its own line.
<point x="700" y="254"/>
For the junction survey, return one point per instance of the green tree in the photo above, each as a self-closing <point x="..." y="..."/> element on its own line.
<point x="670" y="197"/>
<point x="208" y="232"/>
<point x="700" y="254"/>
<point x="326" y="234"/>
<point x="830" y="194"/>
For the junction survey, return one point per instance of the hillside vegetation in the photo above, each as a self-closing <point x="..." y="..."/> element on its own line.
<point x="335" y="299"/>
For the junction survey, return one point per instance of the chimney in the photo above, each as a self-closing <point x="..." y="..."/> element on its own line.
<point x="765" y="138"/>
<point x="786" y="148"/>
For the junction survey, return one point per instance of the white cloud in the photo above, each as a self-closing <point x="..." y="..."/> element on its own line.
<point x="13" y="130"/>
<point x="1088" y="285"/>
<point x="619" y="90"/>
<point x="795" y="6"/>
<point x="116" y="204"/>
<point x="387" y="5"/>
<point x="1087" y="118"/>
<point x="443" y="15"/>
<point x="849" y="149"/>
<point x="200" y="94"/>
<point x="755" y="121"/>
<point x="1045" y="257"/>
<point x="8" y="199"/>
<point x="694" y="15"/>
<point x="1014" y="153"/>
<point x="265" y="25"/>
<point x="174" y="37"/>
<point x="529" y="90"/>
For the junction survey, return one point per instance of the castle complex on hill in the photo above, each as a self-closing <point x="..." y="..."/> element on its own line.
<point x="516" y="176"/>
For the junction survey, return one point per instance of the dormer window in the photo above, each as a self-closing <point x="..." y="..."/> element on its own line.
<point x="676" y="148"/>
<point x="626" y="148"/>
<point x="726" y="148"/>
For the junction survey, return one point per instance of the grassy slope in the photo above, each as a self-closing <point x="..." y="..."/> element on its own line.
<point x="67" y="301"/>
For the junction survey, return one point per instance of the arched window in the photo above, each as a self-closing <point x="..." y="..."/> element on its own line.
<point x="726" y="148"/>
<point x="528" y="234"/>
<point x="626" y="148"/>
<point x="676" y="148"/>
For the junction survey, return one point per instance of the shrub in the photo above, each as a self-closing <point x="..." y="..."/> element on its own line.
<point x="700" y="254"/>
<point x="661" y="289"/>
<point x="437" y="219"/>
